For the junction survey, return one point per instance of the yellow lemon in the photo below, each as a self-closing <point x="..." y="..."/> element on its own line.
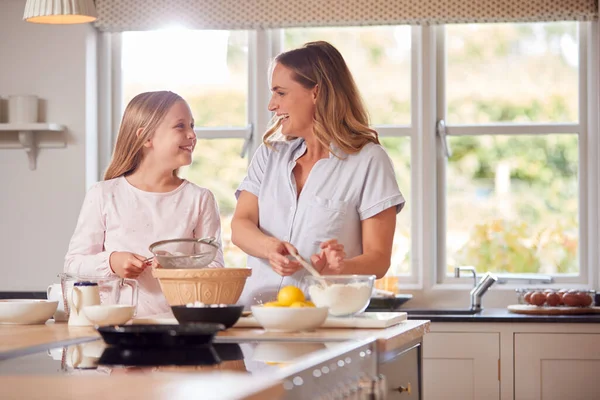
<point x="298" y="304"/>
<point x="289" y="295"/>
<point x="272" y="304"/>
<point x="309" y="304"/>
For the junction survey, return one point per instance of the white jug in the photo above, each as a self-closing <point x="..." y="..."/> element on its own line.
<point x="83" y="294"/>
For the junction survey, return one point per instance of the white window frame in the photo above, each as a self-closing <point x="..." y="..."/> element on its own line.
<point x="427" y="282"/>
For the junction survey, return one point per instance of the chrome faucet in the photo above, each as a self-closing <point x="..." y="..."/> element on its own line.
<point x="488" y="279"/>
<point x="479" y="288"/>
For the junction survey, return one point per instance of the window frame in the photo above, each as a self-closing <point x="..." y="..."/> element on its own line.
<point x="587" y="177"/>
<point x="427" y="282"/>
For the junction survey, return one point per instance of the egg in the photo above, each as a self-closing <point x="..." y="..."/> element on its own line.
<point x="552" y="299"/>
<point x="571" y="299"/>
<point x="585" y="299"/>
<point x="561" y="293"/>
<point x="538" y="299"/>
<point x="527" y="297"/>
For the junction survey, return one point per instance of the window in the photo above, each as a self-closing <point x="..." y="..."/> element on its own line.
<point x="512" y="180"/>
<point x="380" y="61"/>
<point x="515" y="193"/>
<point x="209" y="69"/>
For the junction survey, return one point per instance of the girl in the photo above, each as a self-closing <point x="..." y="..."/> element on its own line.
<point x="142" y="199"/>
<point x="322" y="187"/>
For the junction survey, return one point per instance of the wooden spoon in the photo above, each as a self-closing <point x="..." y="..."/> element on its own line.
<point x="310" y="268"/>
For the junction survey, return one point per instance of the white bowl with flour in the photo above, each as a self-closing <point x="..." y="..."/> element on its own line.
<point x="345" y="295"/>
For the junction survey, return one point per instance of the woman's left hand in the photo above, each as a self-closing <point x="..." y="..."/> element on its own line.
<point x="331" y="258"/>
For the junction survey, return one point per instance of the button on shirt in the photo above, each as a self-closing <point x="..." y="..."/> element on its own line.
<point x="338" y="194"/>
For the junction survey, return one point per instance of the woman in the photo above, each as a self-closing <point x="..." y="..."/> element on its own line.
<point x="320" y="185"/>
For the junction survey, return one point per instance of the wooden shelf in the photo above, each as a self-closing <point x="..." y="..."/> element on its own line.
<point x="23" y="136"/>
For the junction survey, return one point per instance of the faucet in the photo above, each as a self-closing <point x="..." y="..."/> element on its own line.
<point x="488" y="279"/>
<point x="479" y="288"/>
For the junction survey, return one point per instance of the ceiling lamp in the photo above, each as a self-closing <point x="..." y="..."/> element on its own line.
<point x="60" y="11"/>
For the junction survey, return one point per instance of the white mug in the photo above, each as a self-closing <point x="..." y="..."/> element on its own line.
<point x="54" y="292"/>
<point x="22" y="109"/>
<point x="81" y="295"/>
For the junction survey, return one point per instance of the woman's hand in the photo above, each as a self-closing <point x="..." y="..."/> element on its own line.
<point x="331" y="258"/>
<point x="126" y="264"/>
<point x="277" y="252"/>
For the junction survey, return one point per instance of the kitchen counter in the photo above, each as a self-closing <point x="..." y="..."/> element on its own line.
<point x="502" y="315"/>
<point x="21" y="341"/>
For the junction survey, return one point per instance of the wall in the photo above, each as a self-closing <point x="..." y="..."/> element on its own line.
<point x="39" y="209"/>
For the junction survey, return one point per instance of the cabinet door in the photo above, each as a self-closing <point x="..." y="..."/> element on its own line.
<point x="461" y="366"/>
<point x="402" y="375"/>
<point x="552" y="366"/>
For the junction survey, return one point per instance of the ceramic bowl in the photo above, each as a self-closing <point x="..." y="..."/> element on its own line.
<point x="109" y="314"/>
<point x="286" y="319"/>
<point x="227" y="315"/>
<point x="26" y="311"/>
<point x="206" y="285"/>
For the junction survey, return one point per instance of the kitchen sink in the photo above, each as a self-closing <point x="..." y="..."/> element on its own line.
<point x="440" y="311"/>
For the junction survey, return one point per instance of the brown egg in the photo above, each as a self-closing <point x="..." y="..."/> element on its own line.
<point x="561" y="293"/>
<point x="538" y="299"/>
<point x="527" y="297"/>
<point x="552" y="299"/>
<point x="585" y="299"/>
<point x="571" y="299"/>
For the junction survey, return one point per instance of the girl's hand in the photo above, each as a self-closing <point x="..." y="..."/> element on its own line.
<point x="277" y="253"/>
<point x="331" y="258"/>
<point x="126" y="264"/>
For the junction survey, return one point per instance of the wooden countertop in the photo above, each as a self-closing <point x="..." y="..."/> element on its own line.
<point x="208" y="386"/>
<point x="21" y="337"/>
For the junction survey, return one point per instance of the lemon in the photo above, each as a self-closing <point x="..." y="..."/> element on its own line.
<point x="289" y="295"/>
<point x="298" y="304"/>
<point x="309" y="304"/>
<point x="272" y="304"/>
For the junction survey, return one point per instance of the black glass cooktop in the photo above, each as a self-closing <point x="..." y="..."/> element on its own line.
<point x="95" y="357"/>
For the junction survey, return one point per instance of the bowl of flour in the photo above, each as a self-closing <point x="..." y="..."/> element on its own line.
<point x="345" y="295"/>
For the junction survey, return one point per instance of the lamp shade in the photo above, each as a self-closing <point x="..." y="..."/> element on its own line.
<point x="60" y="11"/>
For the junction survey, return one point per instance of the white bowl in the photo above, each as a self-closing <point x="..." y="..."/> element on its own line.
<point x="26" y="311"/>
<point x="287" y="319"/>
<point x="109" y="314"/>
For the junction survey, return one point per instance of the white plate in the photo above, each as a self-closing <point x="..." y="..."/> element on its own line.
<point x="26" y="311"/>
<point x="287" y="319"/>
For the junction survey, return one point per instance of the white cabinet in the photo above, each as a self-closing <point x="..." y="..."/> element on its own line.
<point x="461" y="365"/>
<point x="556" y="366"/>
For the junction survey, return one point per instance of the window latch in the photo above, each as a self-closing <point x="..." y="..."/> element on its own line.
<point x="247" y="141"/>
<point x="442" y="133"/>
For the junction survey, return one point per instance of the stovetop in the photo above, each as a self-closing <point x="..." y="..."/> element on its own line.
<point x="95" y="357"/>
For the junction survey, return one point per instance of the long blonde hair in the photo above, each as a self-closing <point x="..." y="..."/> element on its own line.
<point x="340" y="115"/>
<point x="146" y="110"/>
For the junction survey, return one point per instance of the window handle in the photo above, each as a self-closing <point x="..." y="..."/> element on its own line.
<point x="247" y="141"/>
<point x="441" y="132"/>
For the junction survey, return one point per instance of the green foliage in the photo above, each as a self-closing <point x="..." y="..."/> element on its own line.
<point x="506" y="246"/>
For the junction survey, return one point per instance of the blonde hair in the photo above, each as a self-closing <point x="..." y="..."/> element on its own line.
<point x="146" y="110"/>
<point x="340" y="115"/>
